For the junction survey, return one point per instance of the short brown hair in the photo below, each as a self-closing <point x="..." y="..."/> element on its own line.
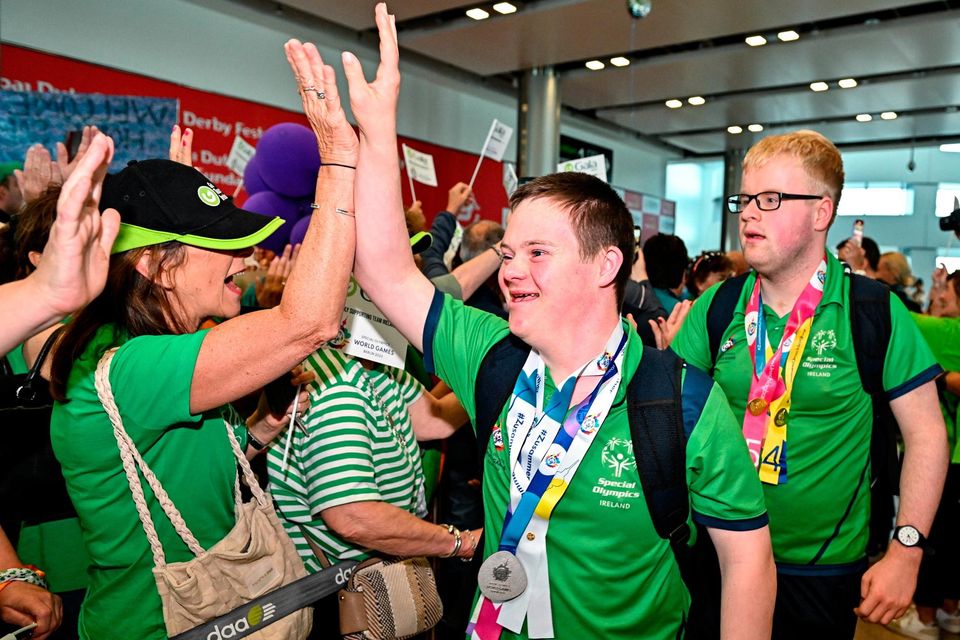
<point x="819" y="157"/>
<point x="33" y="225"/>
<point x="598" y="216"/>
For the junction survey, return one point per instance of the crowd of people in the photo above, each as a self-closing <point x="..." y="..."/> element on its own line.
<point x="613" y="419"/>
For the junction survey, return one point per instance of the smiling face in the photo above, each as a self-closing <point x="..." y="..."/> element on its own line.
<point x="547" y="284"/>
<point x="203" y="287"/>
<point x="776" y="242"/>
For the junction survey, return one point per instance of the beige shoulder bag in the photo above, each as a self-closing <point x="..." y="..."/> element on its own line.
<point x="255" y="558"/>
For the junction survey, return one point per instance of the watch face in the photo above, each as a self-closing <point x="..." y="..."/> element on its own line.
<point x="908" y="536"/>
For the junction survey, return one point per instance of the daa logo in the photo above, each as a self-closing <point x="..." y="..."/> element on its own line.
<point x="343" y="575"/>
<point x="256" y="615"/>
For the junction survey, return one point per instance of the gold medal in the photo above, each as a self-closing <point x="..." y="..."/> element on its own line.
<point x="781" y="418"/>
<point x="757" y="406"/>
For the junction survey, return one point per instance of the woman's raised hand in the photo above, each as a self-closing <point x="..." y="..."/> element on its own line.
<point x="317" y="85"/>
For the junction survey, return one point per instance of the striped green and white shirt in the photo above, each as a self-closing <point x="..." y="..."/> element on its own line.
<point x="350" y="453"/>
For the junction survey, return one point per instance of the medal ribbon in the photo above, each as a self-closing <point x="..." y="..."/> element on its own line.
<point x="768" y="402"/>
<point x="533" y="496"/>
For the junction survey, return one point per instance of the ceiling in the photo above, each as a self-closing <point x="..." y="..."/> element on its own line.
<point x="904" y="55"/>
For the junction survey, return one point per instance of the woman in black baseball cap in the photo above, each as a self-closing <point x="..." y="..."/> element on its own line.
<point x="180" y="244"/>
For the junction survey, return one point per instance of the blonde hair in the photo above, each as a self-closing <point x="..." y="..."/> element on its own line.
<point x="819" y="157"/>
<point x="899" y="267"/>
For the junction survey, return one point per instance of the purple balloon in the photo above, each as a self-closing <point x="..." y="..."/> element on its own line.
<point x="299" y="231"/>
<point x="269" y="203"/>
<point x="252" y="182"/>
<point x="277" y="240"/>
<point x="288" y="159"/>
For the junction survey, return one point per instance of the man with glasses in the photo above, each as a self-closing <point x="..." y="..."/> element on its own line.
<point x="787" y="365"/>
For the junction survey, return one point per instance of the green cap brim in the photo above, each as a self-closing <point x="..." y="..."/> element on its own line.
<point x="132" y="237"/>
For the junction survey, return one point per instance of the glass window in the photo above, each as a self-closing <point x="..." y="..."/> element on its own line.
<point x="876" y="199"/>
<point x="946" y="192"/>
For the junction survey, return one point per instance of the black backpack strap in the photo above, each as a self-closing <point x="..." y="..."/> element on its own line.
<point x="720" y="312"/>
<point x="496" y="378"/>
<point x="871" y="327"/>
<point x="655" y="412"/>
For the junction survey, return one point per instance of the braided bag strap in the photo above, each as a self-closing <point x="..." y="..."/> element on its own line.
<point x="248" y="478"/>
<point x="131" y="461"/>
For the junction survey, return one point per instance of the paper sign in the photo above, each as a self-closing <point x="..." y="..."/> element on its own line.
<point x="420" y="166"/>
<point x="594" y="165"/>
<point x="240" y="154"/>
<point x="366" y="333"/>
<point x="497" y="140"/>
<point x="510" y="180"/>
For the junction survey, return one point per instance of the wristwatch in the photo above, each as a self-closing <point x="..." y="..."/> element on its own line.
<point x="909" y="536"/>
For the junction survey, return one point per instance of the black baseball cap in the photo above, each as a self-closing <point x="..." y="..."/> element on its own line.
<point x="163" y="200"/>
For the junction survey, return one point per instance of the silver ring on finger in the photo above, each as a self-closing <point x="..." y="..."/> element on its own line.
<point x="321" y="95"/>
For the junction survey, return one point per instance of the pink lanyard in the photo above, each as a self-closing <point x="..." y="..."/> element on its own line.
<point x="767" y="385"/>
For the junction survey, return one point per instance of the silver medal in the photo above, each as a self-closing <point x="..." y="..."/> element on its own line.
<point x="502" y="577"/>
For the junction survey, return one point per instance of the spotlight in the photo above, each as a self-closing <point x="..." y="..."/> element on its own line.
<point x="639" y="8"/>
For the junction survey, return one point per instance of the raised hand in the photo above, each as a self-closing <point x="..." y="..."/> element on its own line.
<point x="75" y="260"/>
<point x="269" y="290"/>
<point x="374" y="104"/>
<point x="39" y="173"/>
<point x="317" y="85"/>
<point x="63" y="158"/>
<point x="181" y="145"/>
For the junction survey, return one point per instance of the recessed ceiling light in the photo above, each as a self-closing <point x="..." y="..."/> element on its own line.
<point x="734" y="129"/>
<point x="756" y="41"/>
<point x="504" y="8"/>
<point x="952" y="147"/>
<point x="864" y="117"/>
<point x="696" y="100"/>
<point x="477" y="14"/>
<point x="673" y="103"/>
<point x="819" y="86"/>
<point x="788" y="36"/>
<point x="619" y="61"/>
<point x="889" y="115"/>
<point x="595" y="65"/>
<point x="756" y="128"/>
<point x="847" y="83"/>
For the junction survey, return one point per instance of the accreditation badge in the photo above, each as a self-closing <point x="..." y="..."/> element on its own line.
<point x="502" y="577"/>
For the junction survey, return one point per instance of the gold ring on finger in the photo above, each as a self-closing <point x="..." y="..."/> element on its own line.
<point x="310" y="88"/>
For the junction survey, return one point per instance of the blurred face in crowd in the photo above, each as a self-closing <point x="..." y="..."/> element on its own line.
<point x="203" y="286"/>
<point x="947" y="301"/>
<point x="544" y="279"/>
<point x="774" y="242"/>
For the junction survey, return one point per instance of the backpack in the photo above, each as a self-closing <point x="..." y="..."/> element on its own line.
<point x="870" y="326"/>
<point x="661" y="413"/>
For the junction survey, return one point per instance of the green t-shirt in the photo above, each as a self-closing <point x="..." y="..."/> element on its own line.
<point x="820" y="515"/>
<point x="190" y="455"/>
<point x="611" y="575"/>
<point x="943" y="337"/>
<point x="350" y="453"/>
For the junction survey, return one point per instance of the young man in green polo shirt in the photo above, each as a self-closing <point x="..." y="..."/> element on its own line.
<point x="788" y="369"/>
<point x="602" y="572"/>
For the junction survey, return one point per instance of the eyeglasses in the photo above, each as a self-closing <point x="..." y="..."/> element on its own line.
<point x="766" y="201"/>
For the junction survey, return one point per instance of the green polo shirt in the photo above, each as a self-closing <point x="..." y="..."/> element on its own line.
<point x="943" y="337"/>
<point x="611" y="575"/>
<point x="189" y="453"/>
<point x="820" y="515"/>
